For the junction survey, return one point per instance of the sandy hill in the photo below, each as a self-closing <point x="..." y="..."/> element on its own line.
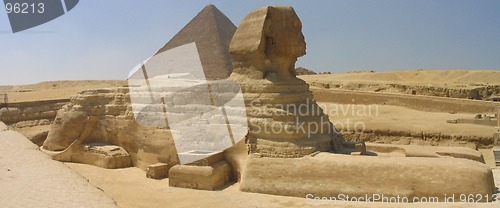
<point x="478" y="85"/>
<point x="54" y="89"/>
<point x="486" y="82"/>
<point x="448" y="78"/>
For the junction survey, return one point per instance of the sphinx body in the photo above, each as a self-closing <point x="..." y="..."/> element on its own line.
<point x="283" y="117"/>
<point x="316" y="160"/>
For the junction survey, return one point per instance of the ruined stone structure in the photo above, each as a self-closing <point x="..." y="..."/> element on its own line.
<point x="3" y="100"/>
<point x="97" y="127"/>
<point x="264" y="50"/>
<point x="496" y="154"/>
<point x="298" y="154"/>
<point x="480" y="119"/>
<point x="30" y="112"/>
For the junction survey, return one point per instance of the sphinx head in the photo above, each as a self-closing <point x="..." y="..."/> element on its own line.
<point x="268" y="42"/>
<point x="283" y="32"/>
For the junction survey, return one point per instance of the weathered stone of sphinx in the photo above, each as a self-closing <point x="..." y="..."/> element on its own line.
<point x="97" y="127"/>
<point x="290" y="149"/>
<point x="293" y="151"/>
<point x="284" y="119"/>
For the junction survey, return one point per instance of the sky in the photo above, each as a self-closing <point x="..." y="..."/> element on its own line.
<point x="100" y="40"/>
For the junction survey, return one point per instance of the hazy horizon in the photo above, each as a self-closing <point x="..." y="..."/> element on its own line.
<point x="318" y="73"/>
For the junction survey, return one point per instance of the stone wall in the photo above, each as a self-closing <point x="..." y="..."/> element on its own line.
<point x="34" y="111"/>
<point x="420" y="138"/>
<point x="475" y="93"/>
<point x="423" y="103"/>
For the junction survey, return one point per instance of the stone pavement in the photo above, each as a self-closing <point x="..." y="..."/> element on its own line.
<point x="29" y="178"/>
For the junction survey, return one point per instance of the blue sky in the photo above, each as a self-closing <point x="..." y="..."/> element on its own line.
<point x="106" y="39"/>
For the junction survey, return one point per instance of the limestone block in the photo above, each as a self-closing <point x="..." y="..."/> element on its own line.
<point x="496" y="154"/>
<point x="10" y="115"/>
<point x="210" y="177"/>
<point x="157" y="171"/>
<point x="48" y="114"/>
<point x="426" y="151"/>
<point x="23" y="124"/>
<point x="208" y="160"/>
<point x="105" y="156"/>
<point x="329" y="174"/>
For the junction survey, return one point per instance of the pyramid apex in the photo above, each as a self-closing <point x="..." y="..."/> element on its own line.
<point x="210" y="7"/>
<point x="212" y="32"/>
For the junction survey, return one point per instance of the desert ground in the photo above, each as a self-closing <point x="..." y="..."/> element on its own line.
<point x="129" y="188"/>
<point x="387" y="122"/>
<point x="54" y="90"/>
<point x="381" y="81"/>
<point x="30" y="178"/>
<point x="52" y="184"/>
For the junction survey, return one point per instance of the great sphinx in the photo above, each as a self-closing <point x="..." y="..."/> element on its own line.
<point x="293" y="162"/>
<point x="290" y="148"/>
<point x="264" y="50"/>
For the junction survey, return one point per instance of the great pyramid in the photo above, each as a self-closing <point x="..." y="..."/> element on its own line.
<point x="212" y="32"/>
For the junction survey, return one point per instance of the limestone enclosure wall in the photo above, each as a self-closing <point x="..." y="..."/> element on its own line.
<point x="11" y="113"/>
<point x="476" y="93"/>
<point x="418" y="102"/>
<point x="420" y="138"/>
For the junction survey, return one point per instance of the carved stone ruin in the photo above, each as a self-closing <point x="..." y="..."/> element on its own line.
<point x="291" y="148"/>
<point x="286" y="162"/>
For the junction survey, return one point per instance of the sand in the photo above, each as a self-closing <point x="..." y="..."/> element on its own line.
<point x="397" y="118"/>
<point x="130" y="188"/>
<point x="54" y="90"/>
<point x="30" y="178"/>
<point x="445" y="78"/>
<point x="26" y="171"/>
<point x="437" y="78"/>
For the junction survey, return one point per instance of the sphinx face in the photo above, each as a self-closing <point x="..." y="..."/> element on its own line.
<point x="297" y="42"/>
<point x="284" y="36"/>
<point x="269" y="39"/>
<point x="67" y="127"/>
